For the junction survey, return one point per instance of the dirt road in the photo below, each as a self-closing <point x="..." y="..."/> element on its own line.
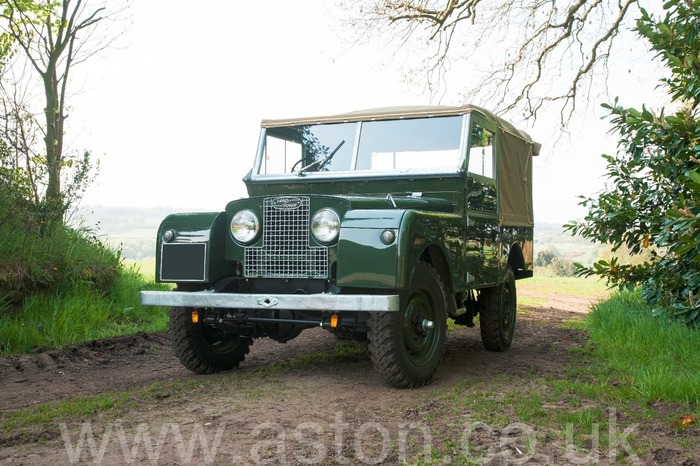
<point x="318" y="401"/>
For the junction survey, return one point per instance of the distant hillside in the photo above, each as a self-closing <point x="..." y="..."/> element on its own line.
<point x="134" y="230"/>
<point x="551" y="236"/>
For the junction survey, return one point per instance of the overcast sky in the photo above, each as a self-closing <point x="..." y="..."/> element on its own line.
<point x="173" y="112"/>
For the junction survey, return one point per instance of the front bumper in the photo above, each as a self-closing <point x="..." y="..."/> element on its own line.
<point x="293" y="302"/>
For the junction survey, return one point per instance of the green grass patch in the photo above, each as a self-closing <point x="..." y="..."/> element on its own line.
<point x="116" y="403"/>
<point x="531" y="302"/>
<point x="80" y="313"/>
<point x="52" y="261"/>
<point x="47" y="413"/>
<point x="632" y="361"/>
<point x="656" y="356"/>
<point x="146" y="267"/>
<point x="589" y="287"/>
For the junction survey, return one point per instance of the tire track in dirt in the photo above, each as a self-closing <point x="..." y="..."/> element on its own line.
<point x="123" y="363"/>
<point x="341" y="400"/>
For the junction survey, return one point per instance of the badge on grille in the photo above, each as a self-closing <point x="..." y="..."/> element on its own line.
<point x="286" y="203"/>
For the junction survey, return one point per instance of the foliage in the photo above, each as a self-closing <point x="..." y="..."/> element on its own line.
<point x="544" y="258"/>
<point x="652" y="205"/>
<point x="48" y="37"/>
<point x="550" y="261"/>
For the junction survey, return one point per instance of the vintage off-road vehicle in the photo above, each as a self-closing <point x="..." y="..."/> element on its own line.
<point x="376" y="225"/>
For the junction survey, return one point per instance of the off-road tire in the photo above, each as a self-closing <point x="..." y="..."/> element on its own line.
<point x="405" y="354"/>
<point x="202" y="349"/>
<point x="497" y="314"/>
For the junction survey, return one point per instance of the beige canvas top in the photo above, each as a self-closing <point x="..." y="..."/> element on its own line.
<point x="514" y="167"/>
<point x="393" y="113"/>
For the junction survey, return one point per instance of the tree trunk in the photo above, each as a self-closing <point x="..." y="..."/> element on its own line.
<point x="54" y="146"/>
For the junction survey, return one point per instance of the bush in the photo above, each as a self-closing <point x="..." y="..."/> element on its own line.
<point x="550" y="263"/>
<point x="562" y="267"/>
<point x="652" y="203"/>
<point x="544" y="258"/>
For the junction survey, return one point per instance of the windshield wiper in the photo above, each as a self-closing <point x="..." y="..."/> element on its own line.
<point x="323" y="162"/>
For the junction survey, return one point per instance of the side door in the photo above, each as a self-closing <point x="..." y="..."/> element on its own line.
<point x="481" y="205"/>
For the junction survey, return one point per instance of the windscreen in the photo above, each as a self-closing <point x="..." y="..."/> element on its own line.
<point x="419" y="144"/>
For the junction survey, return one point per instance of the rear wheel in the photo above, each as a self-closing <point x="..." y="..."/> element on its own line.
<point x="406" y="346"/>
<point x="497" y="314"/>
<point x="202" y="348"/>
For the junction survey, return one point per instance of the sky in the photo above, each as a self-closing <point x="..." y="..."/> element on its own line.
<point x="173" y="108"/>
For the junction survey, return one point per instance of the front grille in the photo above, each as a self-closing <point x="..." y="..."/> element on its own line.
<point x="285" y="252"/>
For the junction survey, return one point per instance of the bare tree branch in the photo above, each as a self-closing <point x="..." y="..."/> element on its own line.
<point x="531" y="42"/>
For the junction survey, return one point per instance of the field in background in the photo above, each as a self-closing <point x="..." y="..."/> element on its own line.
<point x="146" y="266"/>
<point x="589" y="287"/>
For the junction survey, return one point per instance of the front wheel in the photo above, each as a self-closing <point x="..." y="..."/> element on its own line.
<point x="406" y="346"/>
<point x="497" y="314"/>
<point x="204" y="349"/>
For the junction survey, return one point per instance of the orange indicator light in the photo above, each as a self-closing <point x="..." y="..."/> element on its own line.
<point x="195" y="317"/>
<point x="335" y="320"/>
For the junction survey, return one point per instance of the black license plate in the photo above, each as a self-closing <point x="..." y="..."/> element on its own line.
<point x="183" y="262"/>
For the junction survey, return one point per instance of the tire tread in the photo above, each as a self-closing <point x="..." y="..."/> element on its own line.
<point x="190" y="349"/>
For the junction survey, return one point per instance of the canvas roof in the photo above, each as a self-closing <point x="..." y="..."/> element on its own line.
<point x="514" y="170"/>
<point x="393" y="113"/>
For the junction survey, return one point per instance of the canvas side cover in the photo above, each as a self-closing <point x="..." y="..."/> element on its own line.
<point x="515" y="180"/>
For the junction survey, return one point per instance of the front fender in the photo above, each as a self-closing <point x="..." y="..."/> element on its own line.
<point x="431" y="236"/>
<point x="196" y="253"/>
<point x="363" y="259"/>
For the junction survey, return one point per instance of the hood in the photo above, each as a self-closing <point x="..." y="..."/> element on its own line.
<point x="431" y="204"/>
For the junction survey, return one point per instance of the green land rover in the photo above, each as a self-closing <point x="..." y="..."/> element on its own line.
<point x="375" y="225"/>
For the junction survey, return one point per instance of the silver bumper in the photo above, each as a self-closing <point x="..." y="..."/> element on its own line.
<point x="307" y="302"/>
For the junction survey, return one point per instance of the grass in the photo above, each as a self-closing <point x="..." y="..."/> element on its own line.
<point x="61" y="285"/>
<point x="55" y="261"/>
<point x="80" y="313"/>
<point x="633" y="359"/>
<point x="572" y="286"/>
<point x="632" y="362"/>
<point x="146" y="267"/>
<point x="84" y="407"/>
<point x="656" y="356"/>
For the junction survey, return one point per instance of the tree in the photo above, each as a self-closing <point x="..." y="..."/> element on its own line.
<point x="544" y="258"/>
<point x="53" y="36"/>
<point x="19" y="173"/>
<point x="518" y="46"/>
<point x="652" y="204"/>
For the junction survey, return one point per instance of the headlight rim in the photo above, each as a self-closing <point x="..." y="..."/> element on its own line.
<point x="330" y="239"/>
<point x="256" y="227"/>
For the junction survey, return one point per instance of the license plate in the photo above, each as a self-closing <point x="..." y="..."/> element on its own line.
<point x="183" y="262"/>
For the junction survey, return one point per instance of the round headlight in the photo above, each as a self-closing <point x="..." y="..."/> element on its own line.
<point x="245" y="226"/>
<point x="325" y="225"/>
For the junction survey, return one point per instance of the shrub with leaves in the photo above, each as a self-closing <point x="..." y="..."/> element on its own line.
<point x="652" y="203"/>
